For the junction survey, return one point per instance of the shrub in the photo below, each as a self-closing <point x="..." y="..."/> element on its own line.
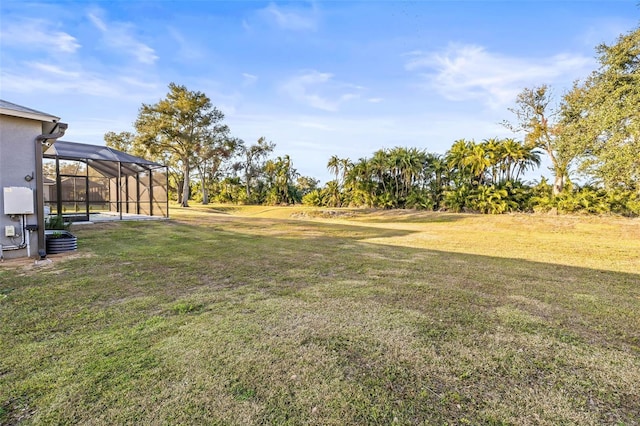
<point x="313" y="198"/>
<point x="418" y="200"/>
<point x="57" y="223"/>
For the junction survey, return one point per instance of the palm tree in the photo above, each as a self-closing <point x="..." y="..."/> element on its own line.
<point x="435" y="171"/>
<point x="493" y="148"/>
<point x="380" y="167"/>
<point x="395" y="163"/>
<point x="512" y="152"/>
<point x="412" y="162"/>
<point x="333" y="193"/>
<point x="358" y="181"/>
<point x="478" y="162"/>
<point x="285" y="176"/>
<point x="345" y="164"/>
<point x="270" y="172"/>
<point x="333" y="166"/>
<point x="529" y="160"/>
<point x="456" y="160"/>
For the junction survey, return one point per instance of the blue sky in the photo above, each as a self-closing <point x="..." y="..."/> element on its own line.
<point x="317" y="78"/>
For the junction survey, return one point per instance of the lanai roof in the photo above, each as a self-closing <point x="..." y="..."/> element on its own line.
<point x="101" y="158"/>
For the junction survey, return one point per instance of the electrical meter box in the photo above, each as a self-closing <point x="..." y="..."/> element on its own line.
<point x="18" y="200"/>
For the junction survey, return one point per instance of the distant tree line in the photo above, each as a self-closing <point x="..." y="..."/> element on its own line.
<point x="593" y="134"/>
<point x="205" y="163"/>
<point x="481" y="177"/>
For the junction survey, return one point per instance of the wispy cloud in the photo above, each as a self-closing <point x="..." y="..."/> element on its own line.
<point x="312" y="125"/>
<point x="249" y="79"/>
<point x="138" y="83"/>
<point x="120" y="37"/>
<point x="319" y="90"/>
<point x="288" y="18"/>
<point x="463" y="72"/>
<point x="38" y="77"/>
<point x="37" y="34"/>
<point x="99" y="24"/>
<point x="54" y="70"/>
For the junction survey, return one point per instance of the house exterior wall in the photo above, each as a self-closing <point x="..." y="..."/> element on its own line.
<point x="17" y="160"/>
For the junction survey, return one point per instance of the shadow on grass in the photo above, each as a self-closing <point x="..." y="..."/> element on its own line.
<point x="290" y="255"/>
<point x="217" y="209"/>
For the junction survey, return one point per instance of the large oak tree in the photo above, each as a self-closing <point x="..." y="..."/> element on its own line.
<point x="601" y="117"/>
<point x="183" y="125"/>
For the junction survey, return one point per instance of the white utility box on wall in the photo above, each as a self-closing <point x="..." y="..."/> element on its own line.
<point x="18" y="200"/>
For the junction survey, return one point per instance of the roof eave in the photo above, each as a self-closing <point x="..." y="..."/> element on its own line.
<point x="29" y="115"/>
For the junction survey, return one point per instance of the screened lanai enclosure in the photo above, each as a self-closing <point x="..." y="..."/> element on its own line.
<point x="84" y="181"/>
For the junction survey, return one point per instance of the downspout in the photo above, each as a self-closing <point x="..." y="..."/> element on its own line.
<point x="138" y="193"/>
<point x="87" y="194"/>
<point x="58" y="188"/>
<point x="150" y="191"/>
<point x="120" y="189"/>
<point x="43" y="142"/>
<point x="166" y="188"/>
<point x="126" y="192"/>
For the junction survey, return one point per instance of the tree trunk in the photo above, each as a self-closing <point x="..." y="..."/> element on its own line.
<point x="203" y="185"/>
<point x="247" y="185"/>
<point x="185" y="186"/>
<point x="179" y="191"/>
<point x="205" y="195"/>
<point x="559" y="172"/>
<point x="558" y="184"/>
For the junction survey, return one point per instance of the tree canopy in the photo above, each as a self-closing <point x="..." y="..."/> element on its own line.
<point x="601" y="117"/>
<point x="183" y="124"/>
<point x="537" y="116"/>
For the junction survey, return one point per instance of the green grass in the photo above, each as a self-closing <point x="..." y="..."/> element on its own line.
<point x="300" y="316"/>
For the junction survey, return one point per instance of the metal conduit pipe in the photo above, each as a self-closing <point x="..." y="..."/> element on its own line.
<point x="23" y="244"/>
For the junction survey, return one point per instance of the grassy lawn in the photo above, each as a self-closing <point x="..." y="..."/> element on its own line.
<point x="299" y="316"/>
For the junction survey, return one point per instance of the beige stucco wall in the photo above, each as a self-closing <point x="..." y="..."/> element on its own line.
<point x="17" y="160"/>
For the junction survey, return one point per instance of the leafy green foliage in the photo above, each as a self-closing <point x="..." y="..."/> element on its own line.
<point x="185" y="128"/>
<point x="253" y="164"/>
<point x="313" y="198"/>
<point x="587" y="199"/>
<point x="601" y="119"/>
<point x="56" y="222"/>
<point x="474" y="177"/>
<point x="536" y="115"/>
<point x="281" y="177"/>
